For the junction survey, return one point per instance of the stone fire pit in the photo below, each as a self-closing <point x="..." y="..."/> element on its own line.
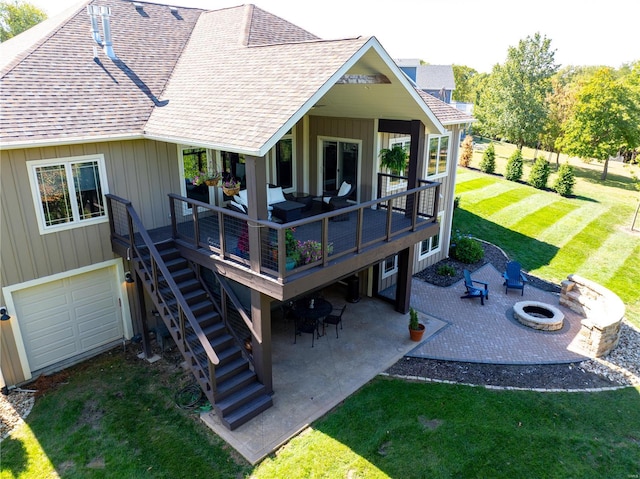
<point x="537" y="315"/>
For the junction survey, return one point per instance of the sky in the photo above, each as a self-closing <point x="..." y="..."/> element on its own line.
<point x="475" y="33"/>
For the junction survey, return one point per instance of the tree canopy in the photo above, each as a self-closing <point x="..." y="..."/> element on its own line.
<point x="605" y="117"/>
<point x="513" y="105"/>
<point x="18" y="16"/>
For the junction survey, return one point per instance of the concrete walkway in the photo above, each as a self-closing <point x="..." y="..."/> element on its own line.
<point x="309" y="382"/>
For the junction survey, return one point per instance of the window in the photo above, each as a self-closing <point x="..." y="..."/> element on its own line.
<point x="195" y="164"/>
<point x="431" y="245"/>
<point x="68" y="192"/>
<point x="438" y="156"/>
<point x="390" y="266"/>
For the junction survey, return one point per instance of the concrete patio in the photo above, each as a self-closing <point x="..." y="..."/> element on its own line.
<point x="309" y="382"/>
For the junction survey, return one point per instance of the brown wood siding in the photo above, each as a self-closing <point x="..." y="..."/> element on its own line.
<point x="140" y="170"/>
<point x="344" y="128"/>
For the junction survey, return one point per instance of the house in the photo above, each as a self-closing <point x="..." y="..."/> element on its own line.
<point x="436" y="80"/>
<point x="113" y="112"/>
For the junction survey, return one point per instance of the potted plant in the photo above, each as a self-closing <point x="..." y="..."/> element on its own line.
<point x="311" y="251"/>
<point x="212" y="178"/>
<point x="394" y="158"/>
<point x="291" y="248"/>
<point x="416" y="329"/>
<point x="231" y="186"/>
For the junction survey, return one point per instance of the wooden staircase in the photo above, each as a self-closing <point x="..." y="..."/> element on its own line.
<point x="231" y="385"/>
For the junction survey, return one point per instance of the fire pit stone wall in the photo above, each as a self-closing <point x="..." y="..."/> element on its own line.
<point x="603" y="313"/>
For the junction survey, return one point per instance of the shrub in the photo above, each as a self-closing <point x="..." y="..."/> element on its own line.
<point x="446" y="270"/>
<point x="488" y="163"/>
<point x="540" y="173"/>
<point x="566" y="180"/>
<point x="467" y="151"/>
<point x="514" y="166"/>
<point x="465" y="249"/>
<point x="456" y="202"/>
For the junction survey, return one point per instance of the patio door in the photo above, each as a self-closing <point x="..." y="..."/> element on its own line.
<point x="339" y="163"/>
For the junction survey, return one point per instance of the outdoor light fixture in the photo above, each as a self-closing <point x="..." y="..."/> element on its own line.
<point x="3" y="312"/>
<point x="128" y="277"/>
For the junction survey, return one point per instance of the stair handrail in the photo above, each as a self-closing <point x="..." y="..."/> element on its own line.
<point x="158" y="264"/>
<point x="237" y="304"/>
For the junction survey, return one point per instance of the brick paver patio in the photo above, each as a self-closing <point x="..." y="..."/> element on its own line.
<point x="489" y="334"/>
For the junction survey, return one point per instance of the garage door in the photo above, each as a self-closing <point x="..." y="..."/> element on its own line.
<point x="69" y="317"/>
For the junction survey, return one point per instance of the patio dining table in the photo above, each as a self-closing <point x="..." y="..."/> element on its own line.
<point x="309" y="312"/>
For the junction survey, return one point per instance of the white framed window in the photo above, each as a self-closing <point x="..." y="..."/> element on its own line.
<point x="283" y="167"/>
<point x="431" y="245"/>
<point x="437" y="155"/>
<point x="389" y="266"/>
<point x="68" y="192"/>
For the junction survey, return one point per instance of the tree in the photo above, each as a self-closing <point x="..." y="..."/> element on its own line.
<point x="514" y="166"/>
<point x="605" y="119"/>
<point x="465" y="86"/>
<point x="566" y="180"/>
<point x="18" y="16"/>
<point x="513" y="105"/>
<point x="488" y="163"/>
<point x="467" y="151"/>
<point x="539" y="174"/>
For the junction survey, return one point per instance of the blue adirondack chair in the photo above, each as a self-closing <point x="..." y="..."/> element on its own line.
<point x="513" y="277"/>
<point x="474" y="291"/>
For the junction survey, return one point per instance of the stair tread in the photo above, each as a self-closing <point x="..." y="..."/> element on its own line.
<point x="248" y="411"/>
<point x="227" y="403"/>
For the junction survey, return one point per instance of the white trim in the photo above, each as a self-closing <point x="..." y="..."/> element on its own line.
<point x="8" y="292"/>
<point x="422" y="256"/>
<point x="440" y="172"/>
<point x="31" y="166"/>
<point x="385" y="274"/>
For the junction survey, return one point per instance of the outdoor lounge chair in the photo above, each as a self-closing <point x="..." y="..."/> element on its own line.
<point x="473" y="291"/>
<point x="338" y="199"/>
<point x="513" y="277"/>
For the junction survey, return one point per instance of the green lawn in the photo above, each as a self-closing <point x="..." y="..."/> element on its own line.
<point x="589" y="234"/>
<point x="115" y="417"/>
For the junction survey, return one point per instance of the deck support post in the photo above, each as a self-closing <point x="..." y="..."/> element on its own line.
<point x="403" y="286"/>
<point x="261" y="344"/>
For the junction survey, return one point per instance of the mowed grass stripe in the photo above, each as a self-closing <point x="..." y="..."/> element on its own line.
<point x="626" y="279"/>
<point x="561" y="232"/>
<point x="528" y="205"/>
<point x="605" y="265"/>
<point x="507" y="199"/>
<point x="576" y="252"/>
<point x="474" y="184"/>
<point x="535" y="223"/>
<point x="492" y="191"/>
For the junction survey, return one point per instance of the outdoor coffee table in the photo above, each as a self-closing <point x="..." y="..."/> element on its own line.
<point x="287" y="211"/>
<point x="305" y="198"/>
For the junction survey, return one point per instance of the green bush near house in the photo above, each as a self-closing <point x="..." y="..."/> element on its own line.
<point x="465" y="249"/>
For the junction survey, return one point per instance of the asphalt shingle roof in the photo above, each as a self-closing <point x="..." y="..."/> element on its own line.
<point x="229" y="78"/>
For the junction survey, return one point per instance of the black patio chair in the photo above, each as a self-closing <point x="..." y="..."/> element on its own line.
<point x="334" y="319"/>
<point x="474" y="291"/>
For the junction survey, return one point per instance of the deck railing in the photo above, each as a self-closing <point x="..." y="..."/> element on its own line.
<point x="224" y="233"/>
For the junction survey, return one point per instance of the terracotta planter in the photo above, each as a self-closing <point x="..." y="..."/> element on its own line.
<point x="416" y="334"/>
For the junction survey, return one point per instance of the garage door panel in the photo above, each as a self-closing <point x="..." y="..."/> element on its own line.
<point x="53" y="338"/>
<point x="69" y="317"/>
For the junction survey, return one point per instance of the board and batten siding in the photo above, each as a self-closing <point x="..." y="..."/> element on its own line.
<point x="142" y="171"/>
<point x="346" y="129"/>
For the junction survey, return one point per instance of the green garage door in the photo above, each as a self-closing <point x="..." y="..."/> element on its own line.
<point x="69" y="318"/>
